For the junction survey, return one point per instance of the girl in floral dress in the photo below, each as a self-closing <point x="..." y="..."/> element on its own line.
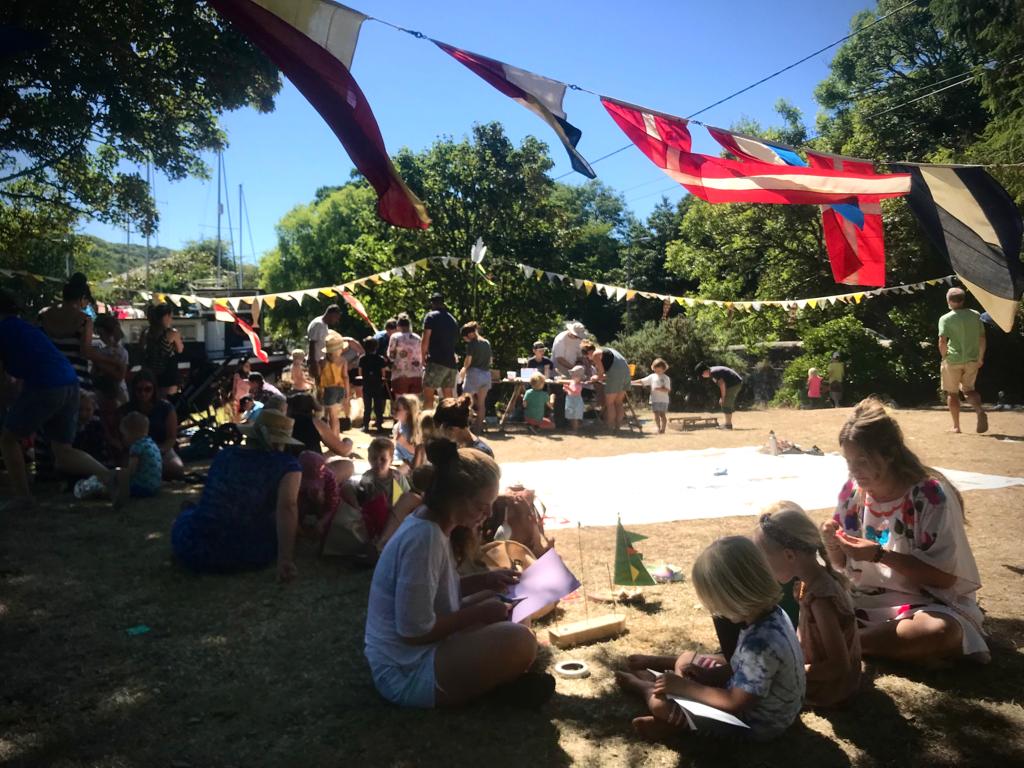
<point x="898" y="531"/>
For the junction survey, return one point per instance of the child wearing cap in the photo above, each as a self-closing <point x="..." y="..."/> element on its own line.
<point x="540" y="361"/>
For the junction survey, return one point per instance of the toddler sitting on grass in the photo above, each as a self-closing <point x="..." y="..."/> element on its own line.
<point x="141" y="478"/>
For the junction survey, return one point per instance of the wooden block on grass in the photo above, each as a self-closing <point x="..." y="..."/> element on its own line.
<point x="588" y="630"/>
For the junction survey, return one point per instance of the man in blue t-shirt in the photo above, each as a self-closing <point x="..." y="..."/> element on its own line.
<point x="48" y="402"/>
<point x="729" y="384"/>
<point x="440" y="333"/>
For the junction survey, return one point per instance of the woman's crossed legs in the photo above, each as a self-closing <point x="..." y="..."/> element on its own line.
<point x="469" y="664"/>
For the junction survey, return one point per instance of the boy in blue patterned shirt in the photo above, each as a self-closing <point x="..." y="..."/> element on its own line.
<point x="761" y="684"/>
<point x="141" y="478"/>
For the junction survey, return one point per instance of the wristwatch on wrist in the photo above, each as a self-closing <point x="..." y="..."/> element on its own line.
<point x="878" y="554"/>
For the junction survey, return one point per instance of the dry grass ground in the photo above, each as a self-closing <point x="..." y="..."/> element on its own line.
<point x="241" y="671"/>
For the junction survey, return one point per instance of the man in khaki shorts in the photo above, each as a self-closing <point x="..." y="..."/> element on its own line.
<point x="962" y="346"/>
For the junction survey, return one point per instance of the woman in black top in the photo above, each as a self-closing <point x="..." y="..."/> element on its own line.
<point x="161" y="346"/>
<point x="163" y="420"/>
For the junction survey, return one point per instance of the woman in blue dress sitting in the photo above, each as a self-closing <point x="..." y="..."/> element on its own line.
<point x="248" y="514"/>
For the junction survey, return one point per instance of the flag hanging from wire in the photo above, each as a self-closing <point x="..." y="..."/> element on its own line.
<point x="975" y="224"/>
<point x="357" y="305"/>
<point x="666" y="142"/>
<point x="745" y="147"/>
<point x="312" y="42"/>
<point x="540" y="95"/>
<point x="856" y="253"/>
<point x="223" y="313"/>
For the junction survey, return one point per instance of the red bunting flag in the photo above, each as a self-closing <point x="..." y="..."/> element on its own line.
<point x="666" y="142"/>
<point x="857" y="254"/>
<point x="223" y="313"/>
<point x="312" y="42"/>
<point x="357" y="305"/>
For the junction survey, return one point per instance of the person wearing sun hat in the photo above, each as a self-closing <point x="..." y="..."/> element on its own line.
<point x="565" y="350"/>
<point x="247" y="515"/>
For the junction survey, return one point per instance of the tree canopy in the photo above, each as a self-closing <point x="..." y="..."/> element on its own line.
<point x="99" y="88"/>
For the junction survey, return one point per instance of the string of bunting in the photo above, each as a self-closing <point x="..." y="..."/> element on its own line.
<point x="31" y="276"/>
<point x="613" y="292"/>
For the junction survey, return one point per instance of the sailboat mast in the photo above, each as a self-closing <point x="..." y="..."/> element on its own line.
<point x="220" y="162"/>
<point x="149" y="183"/>
<point x="240" y="261"/>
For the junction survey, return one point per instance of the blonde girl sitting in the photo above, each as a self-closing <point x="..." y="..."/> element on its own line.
<point x="828" y="635"/>
<point x="762" y="683"/>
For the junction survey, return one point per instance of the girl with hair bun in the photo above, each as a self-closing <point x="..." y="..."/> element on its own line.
<point x="451" y="419"/>
<point x="827" y="629"/>
<point x="898" y="533"/>
<point x="433" y="639"/>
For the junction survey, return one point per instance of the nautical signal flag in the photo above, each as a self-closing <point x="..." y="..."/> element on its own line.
<point x="975" y="224"/>
<point x="312" y="42"/>
<point x="745" y="147"/>
<point x="856" y="253"/>
<point x="666" y="142"/>
<point x="223" y="313"/>
<point x="629" y="563"/>
<point x="540" y="95"/>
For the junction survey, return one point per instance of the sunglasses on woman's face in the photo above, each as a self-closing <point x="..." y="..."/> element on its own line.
<point x="144" y="388"/>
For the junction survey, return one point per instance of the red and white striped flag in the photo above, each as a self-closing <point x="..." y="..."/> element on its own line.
<point x="223" y="313"/>
<point x="666" y="142"/>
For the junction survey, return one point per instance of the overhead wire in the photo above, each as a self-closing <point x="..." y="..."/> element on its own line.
<point x="766" y="78"/>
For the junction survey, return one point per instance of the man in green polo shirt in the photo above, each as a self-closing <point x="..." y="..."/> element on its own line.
<point x="962" y="346"/>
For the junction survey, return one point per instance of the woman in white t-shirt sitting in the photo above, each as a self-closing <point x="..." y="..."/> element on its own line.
<point x="433" y="639"/>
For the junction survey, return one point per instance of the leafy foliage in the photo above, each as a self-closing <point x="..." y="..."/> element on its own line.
<point x="96" y="85"/>
<point x="482" y="186"/>
<point x="682" y="342"/>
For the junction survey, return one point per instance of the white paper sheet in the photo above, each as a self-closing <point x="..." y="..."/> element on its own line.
<point x="683" y="485"/>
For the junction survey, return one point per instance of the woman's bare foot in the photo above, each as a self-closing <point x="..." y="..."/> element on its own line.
<point x="657" y="663"/>
<point x="652" y="729"/>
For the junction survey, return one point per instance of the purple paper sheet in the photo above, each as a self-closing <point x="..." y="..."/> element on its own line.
<point x="544" y="582"/>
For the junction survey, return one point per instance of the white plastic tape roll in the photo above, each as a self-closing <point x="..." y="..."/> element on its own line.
<point x="572" y="669"/>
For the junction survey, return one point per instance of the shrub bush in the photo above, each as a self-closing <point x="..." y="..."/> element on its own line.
<point x="682" y="342"/>
<point x="871" y="368"/>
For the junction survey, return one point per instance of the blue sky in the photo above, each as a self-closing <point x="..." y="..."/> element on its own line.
<point x="676" y="57"/>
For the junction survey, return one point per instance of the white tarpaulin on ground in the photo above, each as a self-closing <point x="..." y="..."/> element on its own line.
<point x="689" y="485"/>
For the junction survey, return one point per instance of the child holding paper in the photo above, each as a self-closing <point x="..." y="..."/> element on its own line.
<point x="828" y="636"/>
<point x="762" y="683"/>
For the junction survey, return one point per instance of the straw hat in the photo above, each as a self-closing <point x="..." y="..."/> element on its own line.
<point x="335" y="342"/>
<point x="273" y="426"/>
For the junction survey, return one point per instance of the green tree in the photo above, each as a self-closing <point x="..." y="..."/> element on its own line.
<point x="994" y="29"/>
<point x="98" y="87"/>
<point x="482" y="186"/>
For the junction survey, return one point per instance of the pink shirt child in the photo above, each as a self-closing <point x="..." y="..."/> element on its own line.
<point x="573" y="387"/>
<point x="814" y="386"/>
